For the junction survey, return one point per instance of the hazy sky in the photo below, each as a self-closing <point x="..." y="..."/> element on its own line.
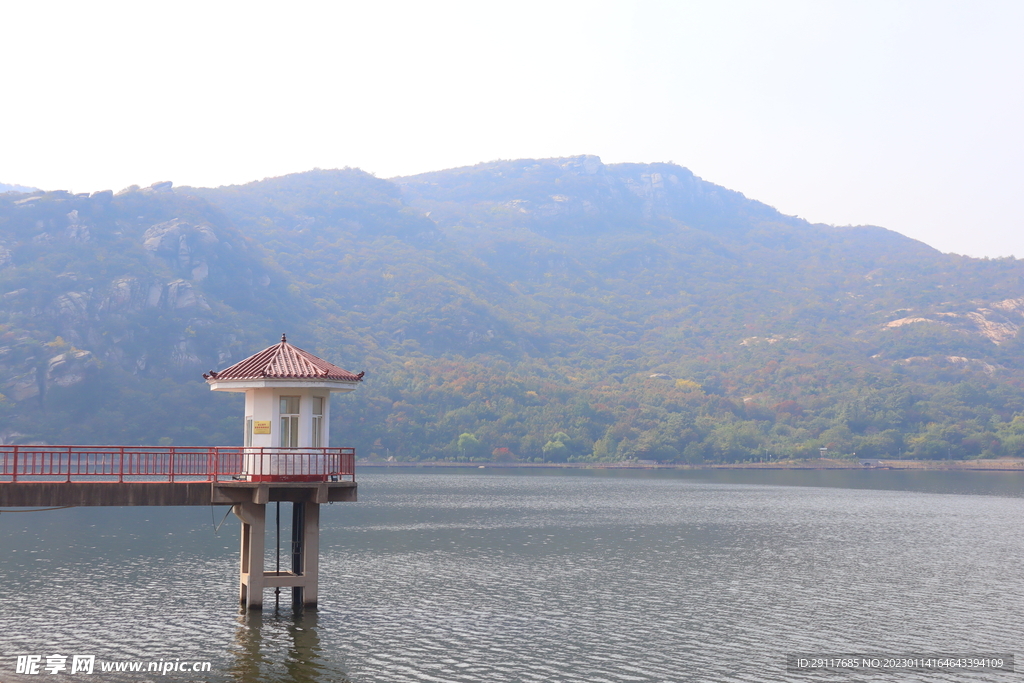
<point x="908" y="115"/>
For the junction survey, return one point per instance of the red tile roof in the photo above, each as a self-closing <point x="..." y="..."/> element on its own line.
<point x="284" y="361"/>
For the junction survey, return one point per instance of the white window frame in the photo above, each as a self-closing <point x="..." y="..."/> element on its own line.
<point x="289" y="437"/>
<point x="318" y="421"/>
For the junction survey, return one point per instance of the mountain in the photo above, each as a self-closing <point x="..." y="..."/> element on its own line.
<point x="112" y="304"/>
<point x="553" y="309"/>
<point x="17" y="188"/>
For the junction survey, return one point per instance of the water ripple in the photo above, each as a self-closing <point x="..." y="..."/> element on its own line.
<point x="472" y="578"/>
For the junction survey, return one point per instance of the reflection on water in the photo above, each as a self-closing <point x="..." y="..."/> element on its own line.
<point x="145" y="585"/>
<point x="491" y="576"/>
<point x="280" y="647"/>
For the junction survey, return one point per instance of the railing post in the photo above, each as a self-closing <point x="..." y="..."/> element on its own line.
<point x="120" y="466"/>
<point x="69" y="465"/>
<point x="171" y="462"/>
<point x="15" y="478"/>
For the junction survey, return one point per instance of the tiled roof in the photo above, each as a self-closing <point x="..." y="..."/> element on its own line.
<point x="284" y="361"/>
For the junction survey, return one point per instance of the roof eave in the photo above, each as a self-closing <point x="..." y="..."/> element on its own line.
<point x="334" y="385"/>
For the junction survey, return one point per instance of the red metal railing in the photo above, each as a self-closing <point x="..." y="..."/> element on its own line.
<point x="201" y="463"/>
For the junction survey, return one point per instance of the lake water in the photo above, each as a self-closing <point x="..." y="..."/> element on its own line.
<point x="494" y="575"/>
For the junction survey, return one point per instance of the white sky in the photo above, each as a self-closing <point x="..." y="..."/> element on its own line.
<point x="908" y="115"/>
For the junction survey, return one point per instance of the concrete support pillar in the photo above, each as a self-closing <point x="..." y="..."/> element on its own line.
<point x="304" y="576"/>
<point x="298" y="550"/>
<point x="311" y="555"/>
<point x="306" y="553"/>
<point x="251" y="574"/>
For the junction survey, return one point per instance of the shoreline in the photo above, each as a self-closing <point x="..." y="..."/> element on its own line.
<point x="1001" y="465"/>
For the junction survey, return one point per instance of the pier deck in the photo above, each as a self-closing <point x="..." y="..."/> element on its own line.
<point x="112" y="493"/>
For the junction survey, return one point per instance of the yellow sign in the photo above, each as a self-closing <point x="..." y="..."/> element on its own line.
<point x="261" y="427"/>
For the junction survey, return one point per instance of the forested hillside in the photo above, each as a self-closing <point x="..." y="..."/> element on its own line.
<point x="558" y="309"/>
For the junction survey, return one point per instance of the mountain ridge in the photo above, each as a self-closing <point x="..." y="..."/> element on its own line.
<point x="514" y="310"/>
<point x="22" y="189"/>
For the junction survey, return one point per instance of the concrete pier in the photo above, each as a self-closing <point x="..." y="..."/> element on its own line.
<point x="303" y="578"/>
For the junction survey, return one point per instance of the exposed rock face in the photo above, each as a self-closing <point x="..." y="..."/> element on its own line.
<point x="130" y="295"/>
<point x="774" y="339"/>
<point x="998" y="322"/>
<point x="22" y="387"/>
<point x="76" y="231"/>
<point x="127" y="295"/>
<point x="180" y="294"/>
<point x="185" y="246"/>
<point x="1011" y="306"/>
<point x="28" y="379"/>
<point x="69" y="368"/>
<point x="73" y="307"/>
<point x="996" y="330"/>
<point x="959" y="361"/>
<point x="183" y="355"/>
<point x="909" y="321"/>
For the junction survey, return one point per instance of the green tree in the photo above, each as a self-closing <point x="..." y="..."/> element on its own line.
<point x="557" y="448"/>
<point x="469" y="446"/>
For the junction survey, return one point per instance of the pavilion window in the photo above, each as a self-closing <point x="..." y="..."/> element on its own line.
<point x="318" y="422"/>
<point x="289" y="421"/>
